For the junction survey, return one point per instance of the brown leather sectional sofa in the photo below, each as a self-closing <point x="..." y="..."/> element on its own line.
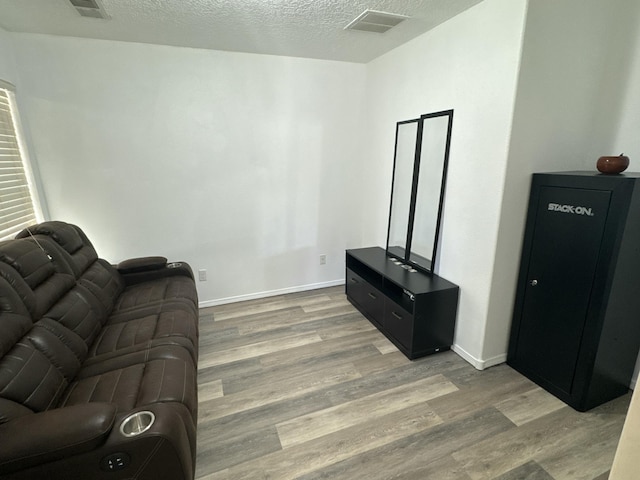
<point x="97" y="363"/>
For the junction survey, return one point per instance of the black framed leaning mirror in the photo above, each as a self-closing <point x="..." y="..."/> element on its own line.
<point x="420" y="164"/>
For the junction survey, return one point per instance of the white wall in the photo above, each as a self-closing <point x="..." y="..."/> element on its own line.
<point x="470" y="64"/>
<point x="244" y="165"/>
<point x="626" y="128"/>
<point x="8" y="70"/>
<point x="574" y="72"/>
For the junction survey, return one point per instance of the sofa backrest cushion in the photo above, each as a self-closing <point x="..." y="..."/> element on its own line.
<point x="70" y="238"/>
<point x="70" y="249"/>
<point x="14" y="318"/>
<point x="64" y="349"/>
<point x="32" y="273"/>
<point x="80" y="312"/>
<point x="104" y="282"/>
<point x="27" y="376"/>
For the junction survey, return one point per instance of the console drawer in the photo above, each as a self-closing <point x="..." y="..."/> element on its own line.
<point x="398" y="322"/>
<point x="368" y="298"/>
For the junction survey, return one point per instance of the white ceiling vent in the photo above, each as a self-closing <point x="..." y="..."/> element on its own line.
<point x="374" y="21"/>
<point x="89" y="8"/>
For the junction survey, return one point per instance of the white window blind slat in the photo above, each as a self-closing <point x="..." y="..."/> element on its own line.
<point x="10" y="229"/>
<point x="17" y="204"/>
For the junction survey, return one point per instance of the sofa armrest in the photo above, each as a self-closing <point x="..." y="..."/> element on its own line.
<point x="141" y="264"/>
<point x="43" y="437"/>
<point x="139" y="270"/>
<point x="165" y="451"/>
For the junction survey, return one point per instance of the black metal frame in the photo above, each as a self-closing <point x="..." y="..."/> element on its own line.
<point x="406" y="259"/>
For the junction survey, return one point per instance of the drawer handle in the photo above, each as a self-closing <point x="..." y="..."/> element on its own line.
<point x="353" y="280"/>
<point x="399" y="317"/>
<point x="372" y="296"/>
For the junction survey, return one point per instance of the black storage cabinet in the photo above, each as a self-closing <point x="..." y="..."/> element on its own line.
<point x="576" y="321"/>
<point x="415" y="310"/>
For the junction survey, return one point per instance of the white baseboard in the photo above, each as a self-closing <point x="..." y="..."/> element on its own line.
<point x="269" y="293"/>
<point x="476" y="362"/>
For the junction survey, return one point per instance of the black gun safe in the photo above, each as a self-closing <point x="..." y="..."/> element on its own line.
<point x="576" y="321"/>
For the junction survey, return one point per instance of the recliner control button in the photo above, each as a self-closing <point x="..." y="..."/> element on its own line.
<point x="115" y="462"/>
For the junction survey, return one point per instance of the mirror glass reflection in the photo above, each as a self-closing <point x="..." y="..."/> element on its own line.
<point x="405" y="152"/>
<point x="429" y="191"/>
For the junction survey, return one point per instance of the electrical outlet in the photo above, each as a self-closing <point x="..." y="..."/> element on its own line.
<point x="323" y="259"/>
<point x="202" y="275"/>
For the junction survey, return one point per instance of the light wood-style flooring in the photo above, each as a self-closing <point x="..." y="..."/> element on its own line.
<point x="302" y="386"/>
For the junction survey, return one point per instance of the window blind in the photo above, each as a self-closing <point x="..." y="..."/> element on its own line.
<point x="17" y="209"/>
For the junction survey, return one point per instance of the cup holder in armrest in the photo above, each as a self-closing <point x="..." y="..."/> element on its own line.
<point x="137" y="423"/>
<point x="174" y="265"/>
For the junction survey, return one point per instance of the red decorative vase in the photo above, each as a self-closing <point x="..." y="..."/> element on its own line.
<point x="613" y="164"/>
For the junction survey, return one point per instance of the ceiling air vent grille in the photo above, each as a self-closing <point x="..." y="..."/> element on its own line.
<point x="89" y="8"/>
<point x="374" y="21"/>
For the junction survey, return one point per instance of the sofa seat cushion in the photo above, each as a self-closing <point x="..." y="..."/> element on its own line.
<point x="28" y="377"/>
<point x="169" y="289"/>
<point x="160" y="380"/>
<point x="173" y="327"/>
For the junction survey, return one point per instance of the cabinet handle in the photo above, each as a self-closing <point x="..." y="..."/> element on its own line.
<point x="399" y="317"/>
<point x="353" y="280"/>
<point x="372" y="296"/>
<point x="534" y="283"/>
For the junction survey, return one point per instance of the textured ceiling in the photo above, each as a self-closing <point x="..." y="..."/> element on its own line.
<point x="299" y="28"/>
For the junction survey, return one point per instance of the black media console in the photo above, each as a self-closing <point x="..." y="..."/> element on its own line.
<point x="415" y="310"/>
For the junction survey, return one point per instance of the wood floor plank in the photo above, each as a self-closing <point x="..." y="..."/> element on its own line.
<point x="210" y="390"/>
<point x="274" y="303"/>
<point x="588" y="456"/>
<point x="294" y="316"/>
<point x="444" y="468"/>
<point x="422" y="455"/>
<point x="210" y="338"/>
<point x="348" y="414"/>
<point x="333" y="303"/>
<point x="327" y="361"/>
<point x="385" y="346"/>
<point x="353" y="324"/>
<point x="227" y="452"/>
<point x="329" y="324"/>
<point x="394" y="377"/>
<point x="257" y="349"/>
<point x="307" y="352"/>
<point x="528" y="471"/>
<point x="224" y="430"/>
<point x="249" y="366"/>
<point x="318" y="453"/>
<point x="381" y="363"/>
<point x="278" y="390"/>
<point x="532" y="441"/>
<point x="528" y="406"/>
<point x="486" y="389"/>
